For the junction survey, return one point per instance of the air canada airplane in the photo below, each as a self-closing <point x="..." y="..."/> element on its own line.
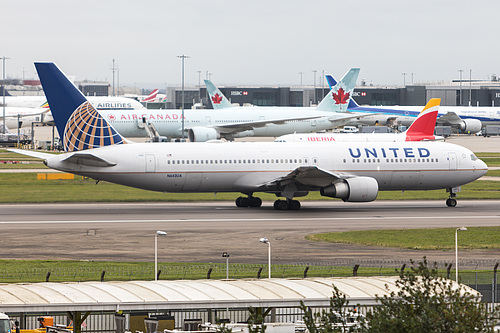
<point x="421" y="129"/>
<point x="230" y="123"/>
<point x="352" y="171"/>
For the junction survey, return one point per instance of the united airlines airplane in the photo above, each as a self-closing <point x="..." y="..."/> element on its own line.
<point x="353" y="172"/>
<point x="421" y="129"/>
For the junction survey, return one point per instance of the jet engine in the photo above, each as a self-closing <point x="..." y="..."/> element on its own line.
<point x="470" y="125"/>
<point x="202" y="134"/>
<point x="357" y="189"/>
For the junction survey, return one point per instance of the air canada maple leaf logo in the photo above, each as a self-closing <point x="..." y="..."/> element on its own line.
<point x="216" y="99"/>
<point x="340" y="97"/>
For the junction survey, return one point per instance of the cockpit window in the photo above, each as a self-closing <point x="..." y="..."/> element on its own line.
<point x="473" y="157"/>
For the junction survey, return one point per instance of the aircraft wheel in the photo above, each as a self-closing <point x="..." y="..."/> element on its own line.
<point x="245" y="202"/>
<point x="451" y="202"/>
<point x="281" y="205"/>
<point x="255" y="202"/>
<point x="294" y="205"/>
<point x="238" y="202"/>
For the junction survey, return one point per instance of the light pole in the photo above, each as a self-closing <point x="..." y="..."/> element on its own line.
<point x="3" y="93"/>
<point x="315" y="71"/>
<point x="158" y="233"/>
<point x="226" y="255"/>
<point x="456" y="250"/>
<point x="182" y="96"/>
<point x="199" y="84"/>
<point x="404" y="79"/>
<point x="470" y="87"/>
<point x="301" y="73"/>
<point x="266" y="241"/>
<point x="461" y="71"/>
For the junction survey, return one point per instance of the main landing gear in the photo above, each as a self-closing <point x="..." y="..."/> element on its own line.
<point x="251" y="201"/>
<point x="287" y="204"/>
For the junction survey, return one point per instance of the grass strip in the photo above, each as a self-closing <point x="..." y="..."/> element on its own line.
<point x="475" y="238"/>
<point x="30" y="271"/>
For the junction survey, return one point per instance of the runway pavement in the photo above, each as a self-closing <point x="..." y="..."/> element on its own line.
<point x="200" y="232"/>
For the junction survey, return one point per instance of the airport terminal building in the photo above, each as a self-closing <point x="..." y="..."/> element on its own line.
<point x="455" y="93"/>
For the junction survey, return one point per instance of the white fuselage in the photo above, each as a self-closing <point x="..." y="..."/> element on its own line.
<point x="405" y="115"/>
<point x="99" y="102"/>
<point x="168" y="122"/>
<point x="249" y="166"/>
<point x="342" y="137"/>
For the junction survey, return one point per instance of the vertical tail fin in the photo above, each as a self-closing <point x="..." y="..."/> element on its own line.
<point x="338" y="97"/>
<point x="218" y="100"/>
<point x="331" y="81"/>
<point x="423" y="127"/>
<point x="151" y="97"/>
<point x="79" y="124"/>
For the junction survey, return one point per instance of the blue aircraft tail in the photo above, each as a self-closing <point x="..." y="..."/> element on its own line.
<point x="79" y="124"/>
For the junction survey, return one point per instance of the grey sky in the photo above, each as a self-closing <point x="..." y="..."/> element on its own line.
<point x="252" y="42"/>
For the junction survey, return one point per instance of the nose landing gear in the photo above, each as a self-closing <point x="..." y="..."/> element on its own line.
<point x="451" y="201"/>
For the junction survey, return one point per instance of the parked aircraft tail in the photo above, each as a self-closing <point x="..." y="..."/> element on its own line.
<point x="152" y="96"/>
<point x="79" y="124"/>
<point x="218" y="100"/>
<point x="423" y="127"/>
<point x="338" y="97"/>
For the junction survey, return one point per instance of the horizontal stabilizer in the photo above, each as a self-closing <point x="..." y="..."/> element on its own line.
<point x="89" y="160"/>
<point x="30" y="153"/>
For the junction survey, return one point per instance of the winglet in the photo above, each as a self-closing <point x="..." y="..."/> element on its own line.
<point x="338" y="97"/>
<point x="218" y="100"/>
<point x="79" y="124"/>
<point x="423" y="127"/>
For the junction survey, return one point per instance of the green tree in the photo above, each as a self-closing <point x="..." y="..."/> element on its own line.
<point x="335" y="319"/>
<point x="427" y="302"/>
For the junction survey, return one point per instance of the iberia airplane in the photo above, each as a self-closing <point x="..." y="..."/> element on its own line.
<point x="351" y="171"/>
<point x="421" y="129"/>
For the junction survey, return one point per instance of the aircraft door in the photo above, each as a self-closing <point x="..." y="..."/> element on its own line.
<point x="150" y="163"/>
<point x="208" y="120"/>
<point x="452" y="159"/>
<point x="314" y="122"/>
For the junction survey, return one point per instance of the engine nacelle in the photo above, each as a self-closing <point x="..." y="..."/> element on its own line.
<point x="202" y="134"/>
<point x="357" y="189"/>
<point x="470" y="125"/>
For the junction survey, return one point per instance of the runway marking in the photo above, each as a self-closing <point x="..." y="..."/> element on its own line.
<point x="474" y="217"/>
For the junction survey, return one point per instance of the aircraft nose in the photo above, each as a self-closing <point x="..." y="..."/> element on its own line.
<point x="482" y="166"/>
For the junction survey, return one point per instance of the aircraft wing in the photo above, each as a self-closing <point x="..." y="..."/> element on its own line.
<point x="88" y="159"/>
<point x="449" y="118"/>
<point x="309" y="176"/>
<point x="26" y="114"/>
<point x="250" y="125"/>
<point x="351" y="115"/>
<point x="30" y="153"/>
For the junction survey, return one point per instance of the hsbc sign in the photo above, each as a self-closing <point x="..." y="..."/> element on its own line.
<point x="239" y="93"/>
<point x="358" y="94"/>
